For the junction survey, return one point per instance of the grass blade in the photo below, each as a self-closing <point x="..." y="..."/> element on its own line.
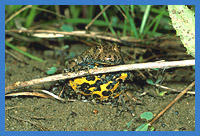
<point x="106" y="18"/>
<point x="145" y="17"/>
<point x="153" y="21"/>
<point x="131" y="21"/>
<point x="125" y="27"/>
<point x="23" y="52"/>
<point x="31" y="16"/>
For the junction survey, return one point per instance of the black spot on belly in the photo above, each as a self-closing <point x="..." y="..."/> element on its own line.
<point x="85" y="86"/>
<point x="98" y="88"/>
<point x="96" y="96"/>
<point x="87" y="91"/>
<point x="98" y="82"/>
<point x="97" y="85"/>
<point x="90" y="78"/>
<point x="110" y="86"/>
<point x="106" y="93"/>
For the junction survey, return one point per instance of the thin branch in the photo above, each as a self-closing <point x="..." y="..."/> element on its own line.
<point x="38" y="93"/>
<point x="96" y="17"/>
<point x="127" y="67"/>
<point x="176" y="99"/>
<point x="74" y="33"/>
<point x="171" y="89"/>
<point x="18" y="12"/>
<point x="49" y="11"/>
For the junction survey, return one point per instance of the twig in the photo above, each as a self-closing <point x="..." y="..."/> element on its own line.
<point x="38" y="93"/>
<point x="127" y="67"/>
<point x="49" y="11"/>
<point x="18" y="12"/>
<point x="176" y="99"/>
<point x="26" y="93"/>
<point x="96" y="17"/>
<point x="117" y="6"/>
<point x="74" y="33"/>
<point x="171" y="89"/>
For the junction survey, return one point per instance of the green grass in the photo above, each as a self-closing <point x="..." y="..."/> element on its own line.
<point x="107" y="21"/>
<point x="144" y="20"/>
<point x="153" y="22"/>
<point x="31" y="16"/>
<point x="23" y="52"/>
<point x="121" y="20"/>
<point x="133" y="20"/>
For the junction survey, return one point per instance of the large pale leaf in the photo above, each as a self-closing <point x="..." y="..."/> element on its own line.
<point x="183" y="21"/>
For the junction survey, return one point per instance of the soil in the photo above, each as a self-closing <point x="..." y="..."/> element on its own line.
<point x="42" y="114"/>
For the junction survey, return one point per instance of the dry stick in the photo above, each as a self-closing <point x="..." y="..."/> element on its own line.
<point x="125" y="17"/>
<point x="38" y="93"/>
<point x="74" y="33"/>
<point x="49" y="11"/>
<point x="176" y="99"/>
<point x="96" y="17"/>
<point x="127" y="67"/>
<point x="18" y="12"/>
<point x="171" y="89"/>
<point x="92" y="34"/>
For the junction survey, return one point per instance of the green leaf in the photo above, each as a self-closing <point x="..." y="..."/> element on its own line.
<point x="147" y="115"/>
<point x="151" y="128"/>
<point x="162" y="93"/>
<point x="156" y="69"/>
<point x="149" y="81"/>
<point x="65" y="47"/>
<point x="183" y="21"/>
<point x="143" y="127"/>
<point x="52" y="70"/>
<point x="67" y="28"/>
